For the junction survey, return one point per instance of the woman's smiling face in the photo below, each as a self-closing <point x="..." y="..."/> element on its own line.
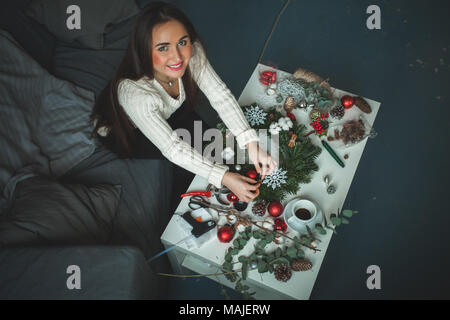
<point x="171" y="50"/>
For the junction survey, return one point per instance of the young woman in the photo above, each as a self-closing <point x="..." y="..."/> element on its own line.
<point x="153" y="93"/>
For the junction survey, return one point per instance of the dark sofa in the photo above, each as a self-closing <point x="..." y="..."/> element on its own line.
<point x="102" y="214"/>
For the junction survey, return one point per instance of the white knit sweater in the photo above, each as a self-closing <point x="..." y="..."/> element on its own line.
<point x="148" y="106"/>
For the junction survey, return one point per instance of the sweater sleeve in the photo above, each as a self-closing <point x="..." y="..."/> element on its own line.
<point x="220" y="97"/>
<point x="141" y="107"/>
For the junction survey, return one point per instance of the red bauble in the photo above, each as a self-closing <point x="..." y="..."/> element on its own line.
<point x="252" y="174"/>
<point x="291" y="116"/>
<point x="347" y="101"/>
<point x="232" y="197"/>
<point x="225" y="234"/>
<point x="280" y="225"/>
<point x="268" y="77"/>
<point x="275" y="209"/>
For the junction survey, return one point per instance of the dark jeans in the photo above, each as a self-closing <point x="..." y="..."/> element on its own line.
<point x="182" y="118"/>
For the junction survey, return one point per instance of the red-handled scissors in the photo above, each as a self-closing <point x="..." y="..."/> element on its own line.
<point x="197" y="193"/>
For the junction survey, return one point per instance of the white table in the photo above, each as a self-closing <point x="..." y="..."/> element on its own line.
<point x="208" y="258"/>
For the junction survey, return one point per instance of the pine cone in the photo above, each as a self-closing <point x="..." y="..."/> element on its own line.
<point x="259" y="208"/>
<point x="283" y="272"/>
<point x="362" y="104"/>
<point x="289" y="104"/>
<point x="301" y="264"/>
<point x="337" y="112"/>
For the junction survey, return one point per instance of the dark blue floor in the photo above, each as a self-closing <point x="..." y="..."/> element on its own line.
<point x="400" y="187"/>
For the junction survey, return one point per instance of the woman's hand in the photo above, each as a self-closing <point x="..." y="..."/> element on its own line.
<point x="241" y="186"/>
<point x="264" y="164"/>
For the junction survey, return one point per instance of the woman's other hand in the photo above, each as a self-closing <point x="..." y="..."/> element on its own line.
<point x="263" y="162"/>
<point x="244" y="188"/>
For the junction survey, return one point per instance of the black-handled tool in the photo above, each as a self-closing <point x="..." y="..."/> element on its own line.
<point x="198" y="228"/>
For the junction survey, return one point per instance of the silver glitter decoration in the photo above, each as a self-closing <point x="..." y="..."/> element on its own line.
<point x="302" y="104"/>
<point x="289" y="87"/>
<point x="331" y="189"/>
<point x="253" y="265"/>
<point x="238" y="167"/>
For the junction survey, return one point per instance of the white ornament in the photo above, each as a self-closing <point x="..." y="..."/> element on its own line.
<point x="274" y="128"/>
<point x="285" y="123"/>
<point x="276" y="179"/>
<point x="270" y="92"/>
<point x="255" y="115"/>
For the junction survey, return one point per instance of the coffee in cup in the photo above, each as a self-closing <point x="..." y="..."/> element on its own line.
<point x="303" y="214"/>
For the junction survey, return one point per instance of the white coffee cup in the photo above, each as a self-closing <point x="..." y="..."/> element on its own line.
<point x="302" y="204"/>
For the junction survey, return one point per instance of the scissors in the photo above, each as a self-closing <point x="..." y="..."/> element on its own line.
<point x="211" y="191"/>
<point x="197" y="202"/>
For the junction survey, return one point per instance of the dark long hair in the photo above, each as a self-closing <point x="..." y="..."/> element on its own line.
<point x="136" y="63"/>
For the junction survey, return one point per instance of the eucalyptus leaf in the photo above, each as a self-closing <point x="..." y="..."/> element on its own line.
<point x="227" y="266"/>
<point x="305" y="241"/>
<point x="336" y="221"/>
<point x="262" y="243"/>
<point x="270" y="237"/>
<point x="345" y="220"/>
<point x="291" y="252"/>
<point x="263" y="267"/>
<point x="347" y="213"/>
<point x="242" y="259"/>
<point x="257" y="235"/>
<point x="280" y="260"/>
<point x="278" y="252"/>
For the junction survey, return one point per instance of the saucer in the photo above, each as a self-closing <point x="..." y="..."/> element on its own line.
<point x="300" y="226"/>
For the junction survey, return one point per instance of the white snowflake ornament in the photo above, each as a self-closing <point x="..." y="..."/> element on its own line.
<point x="276" y="179"/>
<point x="255" y="115"/>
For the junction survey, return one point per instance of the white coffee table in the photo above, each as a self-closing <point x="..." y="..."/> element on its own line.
<point x="209" y="258"/>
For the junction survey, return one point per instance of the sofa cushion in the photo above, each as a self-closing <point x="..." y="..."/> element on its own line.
<point x="45" y="211"/>
<point x="92" y="69"/>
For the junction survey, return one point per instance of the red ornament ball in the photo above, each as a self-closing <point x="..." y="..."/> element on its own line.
<point x="275" y="209"/>
<point x="232" y="197"/>
<point x="280" y="225"/>
<point x="252" y="174"/>
<point x="225" y="234"/>
<point x="347" y="101"/>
